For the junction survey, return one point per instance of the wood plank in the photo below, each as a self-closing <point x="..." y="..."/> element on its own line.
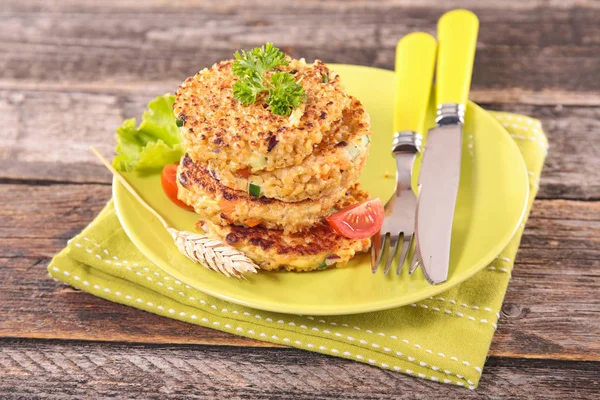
<point x="572" y="168"/>
<point x="69" y="122"/>
<point x="70" y="6"/>
<point x="51" y="370"/>
<point x="516" y="59"/>
<point x="553" y="284"/>
<point x="308" y="23"/>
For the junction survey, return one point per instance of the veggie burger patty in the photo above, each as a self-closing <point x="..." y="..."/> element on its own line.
<point x="218" y="128"/>
<point x="335" y="163"/>
<point x="221" y="205"/>
<point x="317" y="247"/>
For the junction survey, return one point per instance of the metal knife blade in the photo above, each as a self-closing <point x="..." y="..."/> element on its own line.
<point x="438" y="189"/>
<point x="440" y="168"/>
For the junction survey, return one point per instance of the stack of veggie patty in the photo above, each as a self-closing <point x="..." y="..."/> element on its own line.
<point x="264" y="182"/>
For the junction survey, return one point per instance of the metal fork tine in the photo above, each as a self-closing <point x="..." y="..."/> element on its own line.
<point x="413" y="268"/>
<point x="394" y="240"/>
<point x="376" y="251"/>
<point x="385" y="249"/>
<point x="413" y="262"/>
<point x="403" y="254"/>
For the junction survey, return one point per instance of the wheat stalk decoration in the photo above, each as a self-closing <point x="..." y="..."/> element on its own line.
<point x="213" y="254"/>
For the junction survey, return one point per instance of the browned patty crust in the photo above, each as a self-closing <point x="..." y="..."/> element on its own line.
<point x="316" y="247"/>
<point x="221" y="205"/>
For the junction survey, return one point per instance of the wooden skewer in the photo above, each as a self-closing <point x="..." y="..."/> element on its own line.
<point x="128" y="186"/>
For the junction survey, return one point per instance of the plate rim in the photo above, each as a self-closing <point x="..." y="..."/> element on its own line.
<point x="385" y="304"/>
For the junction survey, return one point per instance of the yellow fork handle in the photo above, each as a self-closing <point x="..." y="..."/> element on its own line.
<point x="457" y="36"/>
<point x="415" y="61"/>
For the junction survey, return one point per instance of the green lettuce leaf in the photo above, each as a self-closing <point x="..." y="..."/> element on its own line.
<point x="153" y="144"/>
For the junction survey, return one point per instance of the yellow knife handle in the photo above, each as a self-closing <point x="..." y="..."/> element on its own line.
<point x="415" y="61"/>
<point x="457" y="36"/>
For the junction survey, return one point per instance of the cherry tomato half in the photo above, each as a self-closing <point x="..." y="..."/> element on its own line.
<point x="169" y="185"/>
<point x="358" y="221"/>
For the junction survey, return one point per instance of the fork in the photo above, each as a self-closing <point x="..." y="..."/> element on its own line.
<point x="415" y="59"/>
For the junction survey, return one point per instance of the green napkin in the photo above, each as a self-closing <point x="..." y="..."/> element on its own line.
<point x="443" y="338"/>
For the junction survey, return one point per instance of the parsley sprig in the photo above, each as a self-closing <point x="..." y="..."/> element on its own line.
<point x="283" y="93"/>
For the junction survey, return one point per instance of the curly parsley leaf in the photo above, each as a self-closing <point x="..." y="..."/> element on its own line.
<point x="258" y="61"/>
<point x="247" y="90"/>
<point x="283" y="93"/>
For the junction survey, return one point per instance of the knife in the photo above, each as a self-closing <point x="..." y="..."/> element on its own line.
<point x="440" y="168"/>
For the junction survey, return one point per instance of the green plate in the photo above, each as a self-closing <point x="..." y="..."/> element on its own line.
<point x="491" y="204"/>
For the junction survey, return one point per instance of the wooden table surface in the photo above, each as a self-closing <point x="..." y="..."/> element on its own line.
<point x="71" y="71"/>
